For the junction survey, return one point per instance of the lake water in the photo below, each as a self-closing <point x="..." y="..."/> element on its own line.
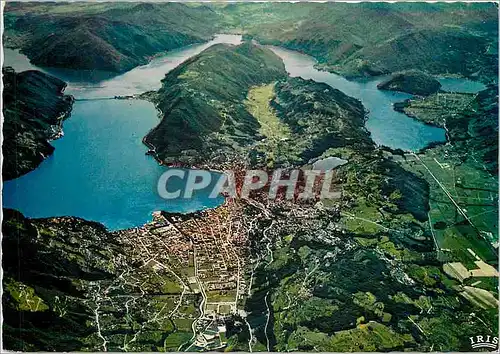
<point x="387" y="127"/>
<point x="99" y="170"/>
<point x="329" y="163"/>
<point x="453" y="84"/>
<point x="93" y="84"/>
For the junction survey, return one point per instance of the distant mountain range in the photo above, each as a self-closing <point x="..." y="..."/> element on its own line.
<point x="107" y="36"/>
<point x="352" y="39"/>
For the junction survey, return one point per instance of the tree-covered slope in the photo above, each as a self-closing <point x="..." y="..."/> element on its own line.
<point x="108" y="36"/>
<point x="352" y="39"/>
<point x="375" y="38"/>
<point x="34" y="107"/>
<point x="45" y="274"/>
<point x="319" y="118"/>
<point x="71" y="285"/>
<point x="358" y="273"/>
<point x="201" y="101"/>
<point x="437" y="51"/>
<point x="414" y="82"/>
<point x="233" y="104"/>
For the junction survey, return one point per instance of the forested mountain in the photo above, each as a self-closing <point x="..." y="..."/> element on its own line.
<point x="352" y="39"/>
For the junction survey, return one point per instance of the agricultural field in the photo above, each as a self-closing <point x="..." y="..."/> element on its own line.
<point x="443" y="106"/>
<point x="463" y="205"/>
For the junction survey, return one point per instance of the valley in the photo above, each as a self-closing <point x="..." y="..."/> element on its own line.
<point x="404" y="260"/>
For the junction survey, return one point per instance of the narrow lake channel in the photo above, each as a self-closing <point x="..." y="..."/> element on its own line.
<point x="99" y="170"/>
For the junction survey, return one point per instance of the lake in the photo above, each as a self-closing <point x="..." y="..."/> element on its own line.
<point x="387" y="127"/>
<point x="95" y="83"/>
<point x="99" y="170"/>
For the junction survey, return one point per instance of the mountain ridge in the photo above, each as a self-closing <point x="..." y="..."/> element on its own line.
<point x="34" y="108"/>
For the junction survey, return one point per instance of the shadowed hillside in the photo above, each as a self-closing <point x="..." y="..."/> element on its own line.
<point x="202" y="103"/>
<point x="352" y="39"/>
<point x="34" y="107"/>
<point x="411" y="81"/>
<point x="376" y="38"/>
<point x="402" y="257"/>
<point x="107" y="36"/>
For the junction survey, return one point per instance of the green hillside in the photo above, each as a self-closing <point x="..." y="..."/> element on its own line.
<point x="106" y="36"/>
<point x="34" y="108"/>
<point x="376" y="268"/>
<point x="202" y="103"/>
<point x="352" y="39"/>
<point x="414" y="82"/>
<point x="375" y="38"/>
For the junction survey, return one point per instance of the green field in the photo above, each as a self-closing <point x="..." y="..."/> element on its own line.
<point x="455" y="186"/>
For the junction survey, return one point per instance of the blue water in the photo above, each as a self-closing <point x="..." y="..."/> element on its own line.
<point x="99" y="170"/>
<point x="453" y="84"/>
<point x="95" y="83"/>
<point x="387" y="127"/>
